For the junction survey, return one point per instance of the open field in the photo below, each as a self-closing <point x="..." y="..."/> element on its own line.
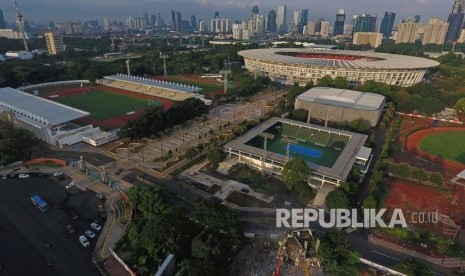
<point x="104" y="104"/>
<point x="449" y="145"/>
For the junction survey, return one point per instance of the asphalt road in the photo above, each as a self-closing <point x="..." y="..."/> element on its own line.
<point x="25" y="230"/>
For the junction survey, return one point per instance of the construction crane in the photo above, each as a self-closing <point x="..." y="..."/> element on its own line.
<point x="278" y="267"/>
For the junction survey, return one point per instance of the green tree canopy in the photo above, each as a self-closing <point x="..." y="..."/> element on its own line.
<point x="460" y="105"/>
<point x="338" y="199"/>
<point x="295" y="171"/>
<point x="215" y="156"/>
<point x="412" y="267"/>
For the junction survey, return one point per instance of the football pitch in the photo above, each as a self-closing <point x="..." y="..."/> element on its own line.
<point x="207" y="87"/>
<point x="104" y="104"/>
<point x="449" y="145"/>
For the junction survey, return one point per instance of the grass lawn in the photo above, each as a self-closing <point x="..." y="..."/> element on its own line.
<point x="103" y="104"/>
<point x="449" y="145"/>
<point x="207" y="87"/>
<point x="253" y="178"/>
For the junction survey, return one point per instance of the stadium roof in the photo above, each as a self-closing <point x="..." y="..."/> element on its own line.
<point x="156" y="83"/>
<point x="343" y="98"/>
<point x="365" y="60"/>
<point x="36" y="109"/>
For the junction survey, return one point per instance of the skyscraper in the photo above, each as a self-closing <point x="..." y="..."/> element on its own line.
<point x="455" y="20"/>
<point x="178" y="21"/>
<point x="2" y="21"/>
<point x="216" y="14"/>
<point x="173" y="20"/>
<point x="407" y="32"/>
<point x="281" y="19"/>
<point x="297" y="16"/>
<point x="54" y="43"/>
<point x="303" y="20"/>
<point x="365" y="23"/>
<point x="271" y="21"/>
<point x="255" y="10"/>
<point x="387" y="23"/>
<point x="435" y="31"/>
<point x="417" y="18"/>
<point x="193" y="23"/>
<point x="339" y="23"/>
<point x="318" y="25"/>
<point x="458" y="7"/>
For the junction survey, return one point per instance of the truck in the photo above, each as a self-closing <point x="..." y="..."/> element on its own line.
<point x="40" y="203"/>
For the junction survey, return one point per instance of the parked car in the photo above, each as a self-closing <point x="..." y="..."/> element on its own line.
<point x="23" y="175"/>
<point x="83" y="240"/>
<point x="89" y="234"/>
<point x="70" y="228"/>
<point x="4" y="177"/>
<point x="245" y="190"/>
<point x="95" y="226"/>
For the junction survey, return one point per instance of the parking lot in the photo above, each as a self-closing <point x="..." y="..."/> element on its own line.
<point x="36" y="243"/>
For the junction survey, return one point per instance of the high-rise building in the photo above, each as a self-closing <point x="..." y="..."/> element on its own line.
<point x="372" y="38"/>
<point x="173" y="20"/>
<point x="106" y="24"/>
<point x="318" y="25"/>
<point x="387" y="23"/>
<point x="458" y="7"/>
<point x="324" y="29"/>
<point x="271" y="24"/>
<point x="348" y="29"/>
<point x="178" y="21"/>
<point x="297" y="16"/>
<point x="54" y="43"/>
<point x="311" y="28"/>
<point x="281" y="19"/>
<point x="216" y="14"/>
<point x="255" y="10"/>
<point x="435" y="31"/>
<point x="2" y="20"/>
<point x="339" y="23"/>
<point x="417" y="18"/>
<point x="365" y="23"/>
<point x="202" y="26"/>
<point x="193" y="23"/>
<point x="407" y="31"/>
<point x="303" y="20"/>
<point x="218" y="25"/>
<point x="455" y="20"/>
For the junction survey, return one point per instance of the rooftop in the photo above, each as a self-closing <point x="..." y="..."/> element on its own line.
<point x="363" y="60"/>
<point x="37" y="110"/>
<point x="156" y="83"/>
<point x="343" y="98"/>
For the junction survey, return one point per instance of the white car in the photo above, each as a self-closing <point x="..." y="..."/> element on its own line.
<point x="4" y="177"/>
<point x="23" y="175"/>
<point x="69" y="185"/>
<point x="83" y="240"/>
<point x="89" y="234"/>
<point x="95" y="226"/>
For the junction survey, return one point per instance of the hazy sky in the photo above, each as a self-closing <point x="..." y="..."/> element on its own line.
<point x="42" y="11"/>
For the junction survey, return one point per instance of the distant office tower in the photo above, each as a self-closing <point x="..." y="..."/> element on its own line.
<point x="461" y="37"/>
<point x="435" y="31"/>
<point x="365" y="23"/>
<point x="153" y="19"/>
<point x="193" y="23"/>
<point x="318" y="25"/>
<point x="2" y="21"/>
<point x="296" y="18"/>
<point x="173" y="20"/>
<point x="202" y="26"/>
<point x="339" y="23"/>
<point x="218" y="25"/>
<point x="407" y="32"/>
<point x="303" y="20"/>
<point x="281" y="19"/>
<point x="372" y="38"/>
<point x="159" y="20"/>
<point x="458" y="7"/>
<point x="216" y="14"/>
<point x="271" y="21"/>
<point x="106" y="24"/>
<point x="348" y="29"/>
<point x="54" y="43"/>
<point x="178" y="21"/>
<point x="417" y="18"/>
<point x="146" y="20"/>
<point x="324" y="28"/>
<point x="255" y="10"/>
<point x="311" y="28"/>
<point x="387" y="23"/>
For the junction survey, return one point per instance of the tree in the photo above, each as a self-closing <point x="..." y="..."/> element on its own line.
<point x="340" y="82"/>
<point x="295" y="171"/>
<point x="412" y="267"/>
<point x="370" y="203"/>
<point x="460" y="105"/>
<point x="325" y="81"/>
<point x="336" y="254"/>
<point x="338" y="199"/>
<point x="436" y="178"/>
<point x="299" y="115"/>
<point x="215" y="156"/>
<point x="191" y="153"/>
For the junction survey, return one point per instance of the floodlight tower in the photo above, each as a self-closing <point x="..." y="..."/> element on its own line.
<point x="164" y="57"/>
<point x="226" y="71"/>
<point x="266" y="136"/>
<point x="112" y="43"/>
<point x="128" y="67"/>
<point x="288" y="141"/>
<point x="19" y="18"/>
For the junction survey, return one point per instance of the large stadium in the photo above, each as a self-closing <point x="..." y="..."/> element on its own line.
<point x="306" y="65"/>
<point x="330" y="153"/>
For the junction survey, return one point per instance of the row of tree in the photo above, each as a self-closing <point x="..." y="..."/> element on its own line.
<point x="15" y="144"/>
<point x="155" y="120"/>
<point x="404" y="170"/>
<point x="203" y="241"/>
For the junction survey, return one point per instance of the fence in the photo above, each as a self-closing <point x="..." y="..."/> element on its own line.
<point x="48" y="84"/>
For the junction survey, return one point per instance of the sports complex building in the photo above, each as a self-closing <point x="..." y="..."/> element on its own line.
<point x="339" y="105"/>
<point x="48" y="120"/>
<point x="308" y="65"/>
<point x="157" y="88"/>
<point x="330" y="153"/>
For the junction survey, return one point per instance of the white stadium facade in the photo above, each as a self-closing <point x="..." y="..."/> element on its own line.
<point x="291" y="65"/>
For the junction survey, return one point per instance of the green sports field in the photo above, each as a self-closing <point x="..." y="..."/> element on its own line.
<point x="207" y="87"/>
<point x="449" y="145"/>
<point x="104" y="104"/>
